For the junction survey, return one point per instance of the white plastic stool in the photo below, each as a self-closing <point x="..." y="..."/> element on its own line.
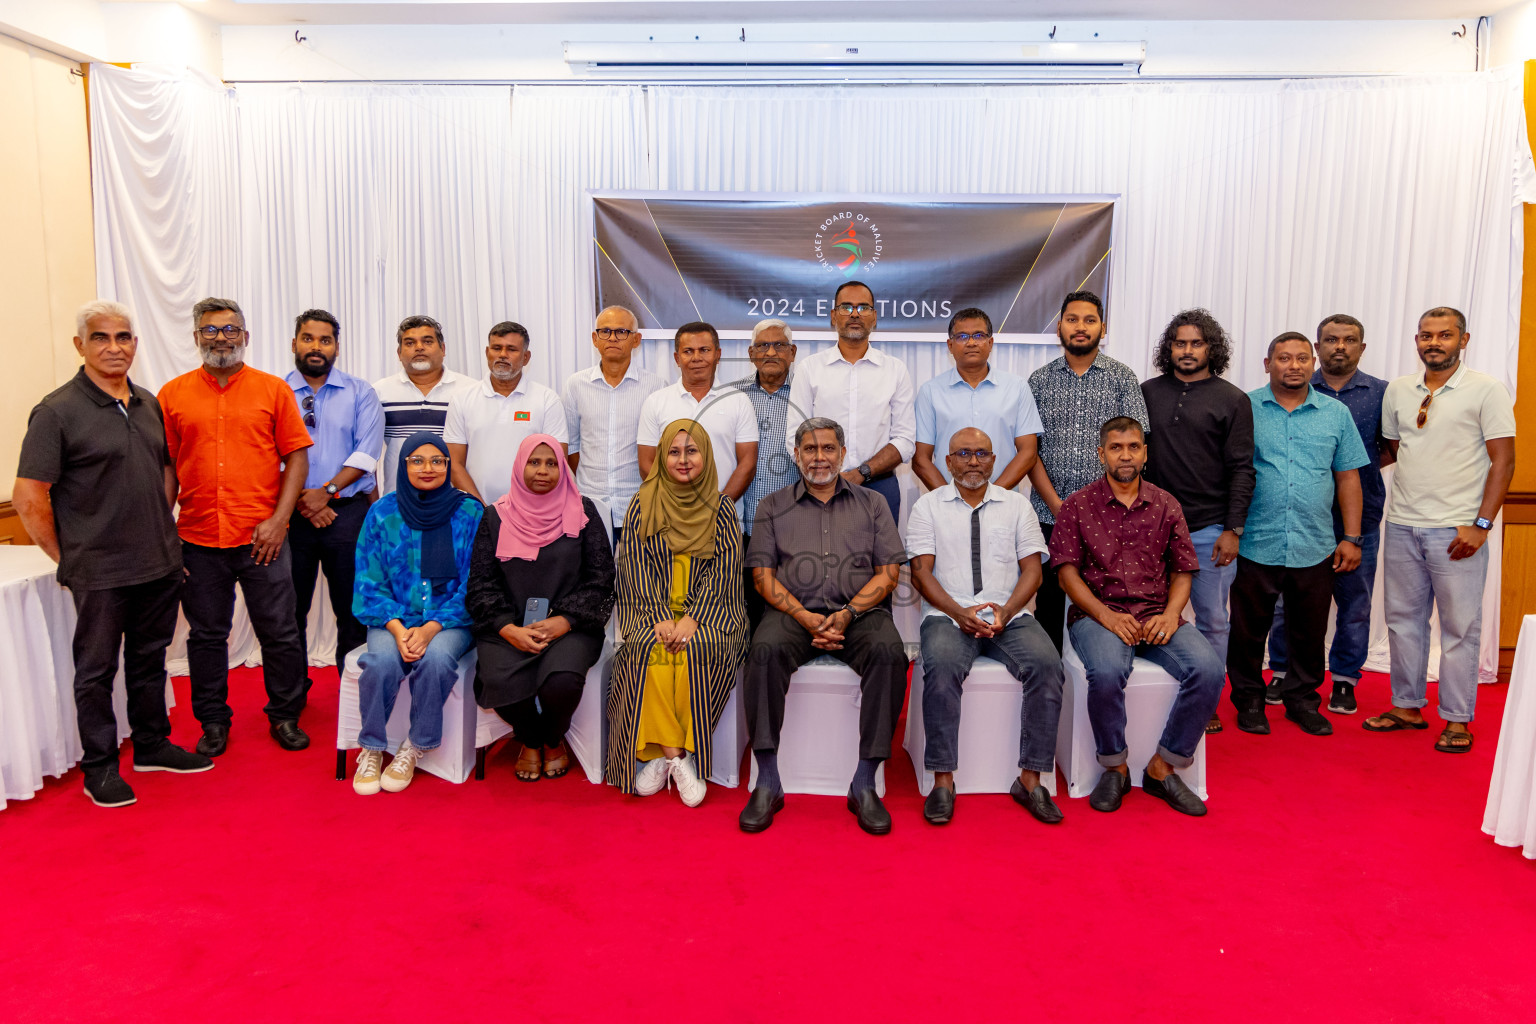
<point x="990" y="702"/>
<point x="819" y="743"/>
<point x="454" y="759"/>
<point x="1149" y="694"/>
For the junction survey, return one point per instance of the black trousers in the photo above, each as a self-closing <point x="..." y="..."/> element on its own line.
<point x="141" y="619"/>
<point x="544" y="724"/>
<point x="333" y="549"/>
<point x="1050" y="599"/>
<point x="871" y="647"/>
<point x="755" y="603"/>
<point x="1308" y="594"/>
<point x="208" y="600"/>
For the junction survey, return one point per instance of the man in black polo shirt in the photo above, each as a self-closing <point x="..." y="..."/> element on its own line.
<point x="1201" y="452"/>
<point x="94" y="490"/>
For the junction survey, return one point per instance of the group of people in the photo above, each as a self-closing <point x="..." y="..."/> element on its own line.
<point x="743" y="528"/>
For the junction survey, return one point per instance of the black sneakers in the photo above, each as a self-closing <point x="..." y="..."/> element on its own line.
<point x="107" y="789"/>
<point x="1343" y="700"/>
<point x="1272" y="692"/>
<point x="168" y="757"/>
<point x="1310" y="720"/>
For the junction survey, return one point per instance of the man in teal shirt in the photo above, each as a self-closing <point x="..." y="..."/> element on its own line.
<point x="1305" y="447"/>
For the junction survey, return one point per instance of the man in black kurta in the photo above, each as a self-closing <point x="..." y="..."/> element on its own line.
<point x="824" y="555"/>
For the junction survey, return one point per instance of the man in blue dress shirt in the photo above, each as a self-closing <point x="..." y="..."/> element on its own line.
<point x="346" y="422"/>
<point x="1340" y="344"/>
<point x="1305" y="450"/>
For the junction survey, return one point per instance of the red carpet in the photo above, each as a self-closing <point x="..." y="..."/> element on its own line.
<point x="1342" y="878"/>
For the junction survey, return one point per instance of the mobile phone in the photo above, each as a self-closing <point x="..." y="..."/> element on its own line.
<point x="536" y="610"/>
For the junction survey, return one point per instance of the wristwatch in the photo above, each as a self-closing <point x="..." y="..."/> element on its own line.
<point x="1237" y="531"/>
<point x="1483" y="523"/>
<point x="868" y="473"/>
<point x="331" y="489"/>
<point x="1356" y="539"/>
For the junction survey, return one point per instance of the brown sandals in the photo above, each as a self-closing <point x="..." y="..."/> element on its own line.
<point x="557" y="760"/>
<point x="529" y="764"/>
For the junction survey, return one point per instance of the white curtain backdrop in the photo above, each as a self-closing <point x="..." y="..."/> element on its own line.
<point x="1271" y="203"/>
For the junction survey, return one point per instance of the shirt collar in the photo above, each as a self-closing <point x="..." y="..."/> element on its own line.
<point x="234" y="378"/>
<point x="1269" y="397"/>
<point x="1456" y="378"/>
<point x="1061" y="363"/>
<point x="448" y="377"/>
<point x="334" y="379"/>
<point x="631" y="372"/>
<point x="874" y="355"/>
<point x="951" y="377"/>
<point x="949" y="492"/>
<point x="1105" y="495"/>
<point x="801" y="491"/>
<point x="490" y="392"/>
<point x="94" y="392"/>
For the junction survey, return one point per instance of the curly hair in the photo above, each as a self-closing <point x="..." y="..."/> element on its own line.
<point x="1215" y="336"/>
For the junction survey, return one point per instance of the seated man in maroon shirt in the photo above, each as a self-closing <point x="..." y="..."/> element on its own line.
<point x="1123" y="555"/>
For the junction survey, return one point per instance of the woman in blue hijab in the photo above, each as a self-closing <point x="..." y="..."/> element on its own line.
<point x="412" y="564"/>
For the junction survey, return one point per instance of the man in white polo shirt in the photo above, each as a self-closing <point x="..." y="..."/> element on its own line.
<point x="486" y="423"/>
<point x="864" y="389"/>
<point x="723" y="411"/>
<point x="976" y="554"/>
<point x="417" y="397"/>
<point x="1452" y="430"/>
<point x="602" y="409"/>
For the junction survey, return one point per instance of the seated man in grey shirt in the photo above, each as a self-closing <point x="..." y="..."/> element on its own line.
<point x="824" y="555"/>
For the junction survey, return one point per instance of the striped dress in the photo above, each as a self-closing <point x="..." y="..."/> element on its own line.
<point x="716" y="604"/>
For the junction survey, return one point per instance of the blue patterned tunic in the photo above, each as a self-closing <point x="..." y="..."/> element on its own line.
<point x="389" y="584"/>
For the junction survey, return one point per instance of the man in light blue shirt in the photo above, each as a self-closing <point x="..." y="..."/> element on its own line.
<point x="997" y="403"/>
<point x="346" y="422"/>
<point x="1305" y="450"/>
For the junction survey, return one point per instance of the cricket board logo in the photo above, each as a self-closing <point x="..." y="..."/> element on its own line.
<point x="847" y="242"/>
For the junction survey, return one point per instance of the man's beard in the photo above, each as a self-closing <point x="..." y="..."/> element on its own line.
<point x="1444" y="362"/>
<point x="505" y="372"/>
<point x="306" y="367"/>
<point x="1079" y="347"/>
<point x="971" y="480"/>
<point x="216" y="360"/>
<point x="820" y="477"/>
<point x="421" y="364"/>
<point x="1124" y="474"/>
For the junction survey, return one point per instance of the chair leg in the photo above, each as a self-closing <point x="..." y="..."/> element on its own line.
<point x="341" y="764"/>
<point x="480" y="763"/>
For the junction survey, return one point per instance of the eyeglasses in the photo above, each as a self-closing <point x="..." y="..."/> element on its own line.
<point x="309" y="410"/>
<point x="230" y="331"/>
<point x="848" y="307"/>
<point x="1424" y="409"/>
<point x="963" y="338"/>
<point x="614" y="333"/>
<point x="976" y="454"/>
<point x="769" y="346"/>
<point x="417" y="462"/>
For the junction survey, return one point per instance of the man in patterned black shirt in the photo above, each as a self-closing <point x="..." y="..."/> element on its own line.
<point x="1076" y="393"/>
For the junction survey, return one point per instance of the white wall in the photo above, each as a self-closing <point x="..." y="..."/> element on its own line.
<point x="116" y="33"/>
<point x="1514" y="34"/>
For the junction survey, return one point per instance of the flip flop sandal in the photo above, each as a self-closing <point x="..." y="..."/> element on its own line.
<point x="1214" y="725"/>
<point x="529" y="765"/>
<point x="1398" y="724"/>
<point x="1453" y="748"/>
<point x="556" y="766"/>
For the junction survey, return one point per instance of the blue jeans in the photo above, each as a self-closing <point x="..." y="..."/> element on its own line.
<point x="432" y="679"/>
<point x="1352" y="636"/>
<point x="1208" y="591"/>
<point x="1419" y="574"/>
<point x="1186" y="656"/>
<point x="1028" y="655"/>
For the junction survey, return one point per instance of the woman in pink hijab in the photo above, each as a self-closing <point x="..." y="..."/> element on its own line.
<point x="540" y="593"/>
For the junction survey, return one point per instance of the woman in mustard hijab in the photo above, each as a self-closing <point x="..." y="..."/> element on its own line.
<point x="682" y="615"/>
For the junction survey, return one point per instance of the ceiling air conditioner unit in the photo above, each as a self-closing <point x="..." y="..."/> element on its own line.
<point x="857" y="60"/>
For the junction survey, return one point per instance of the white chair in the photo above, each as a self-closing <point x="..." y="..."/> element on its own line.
<point x="454" y="759"/>
<point x="990" y="702"/>
<point x="1149" y="694"/>
<point x="819" y="743"/>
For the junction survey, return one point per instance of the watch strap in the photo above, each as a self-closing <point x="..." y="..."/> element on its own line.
<point x="1483" y="523"/>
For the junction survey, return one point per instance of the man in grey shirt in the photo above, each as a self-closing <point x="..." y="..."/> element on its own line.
<point x="824" y="556"/>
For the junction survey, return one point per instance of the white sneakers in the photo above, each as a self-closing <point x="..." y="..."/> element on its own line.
<point x="398" y="775"/>
<point x="366" y="781"/>
<point x="652" y="776"/>
<point x="689" y="786"/>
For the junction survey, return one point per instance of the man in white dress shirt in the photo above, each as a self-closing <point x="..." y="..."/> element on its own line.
<point x="723" y="411"/>
<point x="487" y="422"/>
<point x="976" y="554"/>
<point x="602" y="410"/>
<point x="417" y="397"/>
<point x="864" y="389"/>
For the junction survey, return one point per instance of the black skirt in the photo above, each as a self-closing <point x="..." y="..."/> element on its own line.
<point x="506" y="675"/>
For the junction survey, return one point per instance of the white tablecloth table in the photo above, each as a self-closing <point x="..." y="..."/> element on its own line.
<point x="1511" y="813"/>
<point x="38" y="735"/>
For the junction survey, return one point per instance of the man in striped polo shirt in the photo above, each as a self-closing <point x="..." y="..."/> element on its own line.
<point x="417" y="397"/>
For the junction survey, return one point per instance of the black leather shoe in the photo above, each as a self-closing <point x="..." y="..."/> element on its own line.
<point x="940" y="806"/>
<point x="1037" y="802"/>
<point x="168" y="757"/>
<point x="215" y="739"/>
<point x="1312" y="721"/>
<point x="1253" y="720"/>
<point x="1110" y="790"/>
<point x="762" y="805"/>
<point x="289" y="736"/>
<point x="1173" y="792"/>
<point x="872" y="815"/>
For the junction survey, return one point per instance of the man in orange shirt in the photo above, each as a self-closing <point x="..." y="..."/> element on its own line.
<point x="230" y="429"/>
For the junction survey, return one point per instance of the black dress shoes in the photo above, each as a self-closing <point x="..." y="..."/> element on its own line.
<point x="1111" y="789"/>
<point x="940" y="806"/>
<point x="289" y="736"/>
<point x="215" y="739"/>
<point x="872" y="815"/>
<point x="1038" y="802"/>
<point x="1311" y="721"/>
<point x="1253" y="720"/>
<point x="762" y="805"/>
<point x="1173" y="792"/>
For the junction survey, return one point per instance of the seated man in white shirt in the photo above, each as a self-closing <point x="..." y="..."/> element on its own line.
<point x="488" y="422"/>
<point x="723" y="411"/>
<point x="976" y="551"/>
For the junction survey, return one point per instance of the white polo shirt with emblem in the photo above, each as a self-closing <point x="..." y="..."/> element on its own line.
<point x="493" y="425"/>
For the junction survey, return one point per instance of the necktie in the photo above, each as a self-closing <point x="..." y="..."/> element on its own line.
<point x="976" y="550"/>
